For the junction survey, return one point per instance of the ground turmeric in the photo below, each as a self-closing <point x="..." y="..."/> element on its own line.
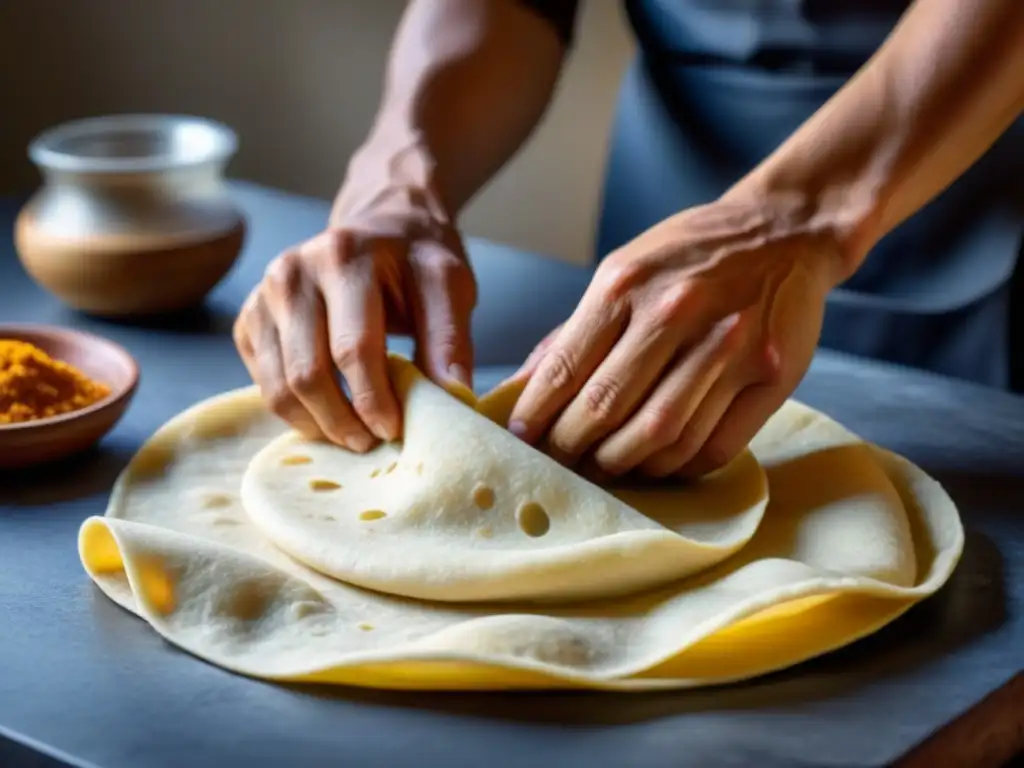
<point x="35" y="386"/>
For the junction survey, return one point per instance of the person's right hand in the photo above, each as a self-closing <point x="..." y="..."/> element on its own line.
<point x="390" y="262"/>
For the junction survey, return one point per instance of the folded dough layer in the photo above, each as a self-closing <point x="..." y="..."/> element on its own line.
<point x="462" y="511"/>
<point x="851" y="538"/>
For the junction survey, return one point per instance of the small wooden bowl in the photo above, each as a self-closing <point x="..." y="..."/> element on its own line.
<point x="35" y="442"/>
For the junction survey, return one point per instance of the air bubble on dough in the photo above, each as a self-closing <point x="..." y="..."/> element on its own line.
<point x="483" y="496"/>
<point x="324" y="485"/>
<point x="248" y="601"/>
<point x="532" y="519"/>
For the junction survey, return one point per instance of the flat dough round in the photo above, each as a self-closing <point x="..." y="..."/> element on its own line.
<point x="461" y="510"/>
<point x="852" y="537"/>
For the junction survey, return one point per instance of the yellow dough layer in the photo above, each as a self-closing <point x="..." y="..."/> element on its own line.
<point x="284" y="559"/>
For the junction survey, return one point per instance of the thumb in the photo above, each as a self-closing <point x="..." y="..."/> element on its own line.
<point x="444" y="295"/>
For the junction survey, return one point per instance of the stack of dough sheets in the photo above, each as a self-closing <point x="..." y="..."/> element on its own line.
<point x="463" y="558"/>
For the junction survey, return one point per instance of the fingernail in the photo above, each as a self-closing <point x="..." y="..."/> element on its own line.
<point x="518" y="428"/>
<point x="381" y="431"/>
<point x="458" y="373"/>
<point x="359" y="442"/>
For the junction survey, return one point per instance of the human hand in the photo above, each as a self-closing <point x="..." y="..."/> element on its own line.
<point x="685" y="343"/>
<point x="390" y="261"/>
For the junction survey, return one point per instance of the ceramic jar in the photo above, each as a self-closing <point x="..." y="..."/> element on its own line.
<point x="134" y="216"/>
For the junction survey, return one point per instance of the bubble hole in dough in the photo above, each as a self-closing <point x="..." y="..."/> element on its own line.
<point x="245" y="545"/>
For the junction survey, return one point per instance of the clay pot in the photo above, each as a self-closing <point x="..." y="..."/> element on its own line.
<point x="134" y="217"/>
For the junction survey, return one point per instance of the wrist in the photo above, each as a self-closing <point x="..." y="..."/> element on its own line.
<point x="395" y="170"/>
<point x="840" y="216"/>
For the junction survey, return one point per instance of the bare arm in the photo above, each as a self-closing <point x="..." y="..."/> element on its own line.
<point x="694" y="333"/>
<point x="932" y="100"/>
<point x="467" y="82"/>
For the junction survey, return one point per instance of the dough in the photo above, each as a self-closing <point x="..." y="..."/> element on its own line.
<point x="852" y="537"/>
<point x="463" y="510"/>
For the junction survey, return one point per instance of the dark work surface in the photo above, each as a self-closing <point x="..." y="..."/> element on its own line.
<point x="82" y="679"/>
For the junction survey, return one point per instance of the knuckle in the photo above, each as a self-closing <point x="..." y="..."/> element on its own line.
<point x="601" y="399"/>
<point x="736" y="328"/>
<point x="616" y="277"/>
<point x="285" y="272"/>
<point x="240" y="328"/>
<point x="441" y="268"/>
<point x="247" y="325"/>
<point x="674" y="305"/>
<point x="435" y="258"/>
<point x="337" y="242"/>
<point x="342" y="246"/>
<point x="240" y="337"/>
<point x="661" y="425"/>
<point x="558" y="368"/>
<point x="351" y="350"/>
<point x="450" y="271"/>
<point x="304" y="379"/>
<point x="366" y="402"/>
<point x="769" y="362"/>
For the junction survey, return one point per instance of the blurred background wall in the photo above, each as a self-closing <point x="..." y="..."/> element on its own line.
<point x="299" y="80"/>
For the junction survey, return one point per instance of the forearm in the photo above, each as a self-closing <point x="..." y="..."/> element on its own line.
<point x="933" y="99"/>
<point x="467" y="82"/>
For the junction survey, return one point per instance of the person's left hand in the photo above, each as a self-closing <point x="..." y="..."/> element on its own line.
<point x="687" y="340"/>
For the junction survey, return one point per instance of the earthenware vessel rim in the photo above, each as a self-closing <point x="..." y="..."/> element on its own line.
<point x="80" y="339"/>
<point x="133" y="143"/>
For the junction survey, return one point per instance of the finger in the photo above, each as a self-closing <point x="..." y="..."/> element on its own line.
<point x="261" y="353"/>
<point x="765" y="393"/>
<point x="660" y="420"/>
<point x="741" y="422"/>
<point x="443" y="307"/>
<point x="584" y="341"/>
<point x="358" y="340"/>
<point x="299" y="315"/>
<point x="613" y="392"/>
<point x="698" y="429"/>
<point x="529" y="366"/>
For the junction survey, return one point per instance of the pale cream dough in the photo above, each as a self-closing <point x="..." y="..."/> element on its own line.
<point x="219" y="535"/>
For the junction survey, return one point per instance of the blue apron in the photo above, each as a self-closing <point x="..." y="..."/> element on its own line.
<point x="717" y="85"/>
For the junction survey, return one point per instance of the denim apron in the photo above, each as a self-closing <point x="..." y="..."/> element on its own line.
<point x="717" y="85"/>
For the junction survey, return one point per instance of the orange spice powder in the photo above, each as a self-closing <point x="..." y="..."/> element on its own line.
<point x="35" y="386"/>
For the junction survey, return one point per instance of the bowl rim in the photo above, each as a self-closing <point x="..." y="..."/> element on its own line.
<point x="83" y="338"/>
<point x="44" y="152"/>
